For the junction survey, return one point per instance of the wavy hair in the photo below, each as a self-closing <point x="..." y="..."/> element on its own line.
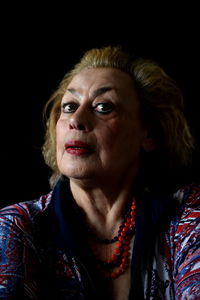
<point x="161" y="102"/>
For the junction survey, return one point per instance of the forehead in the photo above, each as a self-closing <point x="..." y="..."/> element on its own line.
<point x="96" y="77"/>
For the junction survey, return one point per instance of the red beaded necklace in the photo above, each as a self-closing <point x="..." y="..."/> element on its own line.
<point x="119" y="260"/>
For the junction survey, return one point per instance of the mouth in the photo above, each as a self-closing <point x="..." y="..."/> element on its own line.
<point x="78" y="148"/>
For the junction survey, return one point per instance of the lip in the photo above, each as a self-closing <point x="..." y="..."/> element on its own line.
<point x="78" y="148"/>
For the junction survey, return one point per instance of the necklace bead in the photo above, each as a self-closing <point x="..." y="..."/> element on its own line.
<point x="119" y="260"/>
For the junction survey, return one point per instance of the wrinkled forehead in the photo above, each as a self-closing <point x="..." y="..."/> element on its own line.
<point x="93" y="78"/>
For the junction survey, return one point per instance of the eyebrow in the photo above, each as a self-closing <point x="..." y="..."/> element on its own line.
<point x="96" y="93"/>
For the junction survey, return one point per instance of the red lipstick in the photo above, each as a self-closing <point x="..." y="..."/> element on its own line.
<point x="77" y="148"/>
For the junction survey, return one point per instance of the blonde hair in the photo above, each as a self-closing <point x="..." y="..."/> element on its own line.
<point x="162" y="107"/>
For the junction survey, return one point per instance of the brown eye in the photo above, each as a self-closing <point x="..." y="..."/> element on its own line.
<point x="69" y="107"/>
<point x="104" y="108"/>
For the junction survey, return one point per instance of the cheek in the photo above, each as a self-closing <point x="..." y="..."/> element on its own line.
<point x="60" y="135"/>
<point x="125" y="136"/>
<point x="113" y="140"/>
<point x="108" y="134"/>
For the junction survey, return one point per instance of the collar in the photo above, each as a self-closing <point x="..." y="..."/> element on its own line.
<point x="68" y="227"/>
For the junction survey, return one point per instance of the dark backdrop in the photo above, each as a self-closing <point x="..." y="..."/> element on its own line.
<point x="38" y="47"/>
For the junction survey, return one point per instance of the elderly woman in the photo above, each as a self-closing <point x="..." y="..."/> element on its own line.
<point x="112" y="227"/>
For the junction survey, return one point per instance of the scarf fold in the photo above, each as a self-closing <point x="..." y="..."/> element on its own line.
<point x="153" y="213"/>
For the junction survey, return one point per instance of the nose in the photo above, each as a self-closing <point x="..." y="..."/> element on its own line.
<point x="80" y="120"/>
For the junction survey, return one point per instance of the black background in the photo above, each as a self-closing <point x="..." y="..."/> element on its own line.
<point x="40" y="44"/>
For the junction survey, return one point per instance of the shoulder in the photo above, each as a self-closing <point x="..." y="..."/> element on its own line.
<point x="23" y="213"/>
<point x="189" y="200"/>
<point x="185" y="227"/>
<point x="189" y="193"/>
<point x="185" y="233"/>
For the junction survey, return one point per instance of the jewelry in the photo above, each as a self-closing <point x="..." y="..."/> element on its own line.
<point x="120" y="258"/>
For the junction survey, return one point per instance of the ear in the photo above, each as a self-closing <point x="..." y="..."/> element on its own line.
<point x="148" y="144"/>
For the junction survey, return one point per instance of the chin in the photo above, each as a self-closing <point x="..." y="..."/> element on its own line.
<point x="78" y="174"/>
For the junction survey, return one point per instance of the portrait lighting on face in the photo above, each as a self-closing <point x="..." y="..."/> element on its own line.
<point x="118" y="219"/>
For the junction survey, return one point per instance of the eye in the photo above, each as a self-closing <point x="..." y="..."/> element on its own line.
<point x="69" y="107"/>
<point x="103" y="108"/>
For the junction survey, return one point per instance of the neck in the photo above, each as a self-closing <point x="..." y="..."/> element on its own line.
<point x="103" y="205"/>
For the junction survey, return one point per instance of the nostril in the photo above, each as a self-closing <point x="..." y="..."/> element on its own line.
<point x="80" y="127"/>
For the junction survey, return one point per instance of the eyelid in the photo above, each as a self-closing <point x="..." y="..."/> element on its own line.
<point x="106" y="111"/>
<point x="101" y="107"/>
<point x="67" y="102"/>
<point x="72" y="103"/>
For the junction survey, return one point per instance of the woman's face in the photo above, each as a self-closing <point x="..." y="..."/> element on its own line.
<point x="99" y="133"/>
